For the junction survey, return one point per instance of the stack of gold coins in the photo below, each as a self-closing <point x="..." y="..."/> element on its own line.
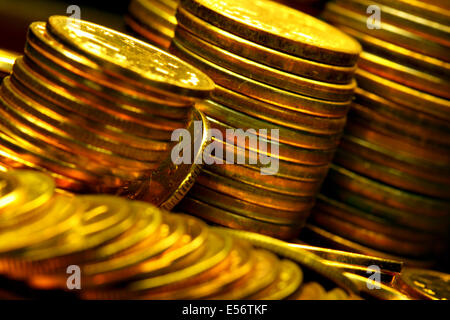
<point x="154" y="20"/>
<point x="388" y="192"/>
<point x="108" y="247"/>
<point x="93" y="107"/>
<point x="284" y="83"/>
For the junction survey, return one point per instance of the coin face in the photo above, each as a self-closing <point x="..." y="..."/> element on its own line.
<point x="127" y="55"/>
<point x="279" y="27"/>
<point x="425" y="283"/>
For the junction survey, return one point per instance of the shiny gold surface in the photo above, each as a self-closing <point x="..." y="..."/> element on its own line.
<point x="279" y="27"/>
<point x="259" y="53"/>
<point x="142" y="61"/>
<point x="7" y="59"/>
<point x="133" y="250"/>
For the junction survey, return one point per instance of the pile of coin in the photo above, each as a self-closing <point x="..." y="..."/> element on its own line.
<point x="388" y="192"/>
<point x="93" y="107"/>
<point x="154" y="20"/>
<point x="284" y="83"/>
<point x="122" y="249"/>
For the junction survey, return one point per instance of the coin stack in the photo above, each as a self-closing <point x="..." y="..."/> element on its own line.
<point x="275" y="68"/>
<point x="388" y="192"/>
<point x="93" y="107"/>
<point x="154" y="20"/>
<point x="125" y="249"/>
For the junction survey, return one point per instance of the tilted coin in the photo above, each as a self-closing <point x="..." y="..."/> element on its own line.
<point x="159" y="70"/>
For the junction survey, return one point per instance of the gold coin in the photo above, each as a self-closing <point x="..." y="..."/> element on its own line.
<point x="261" y="91"/>
<point x="218" y="249"/>
<point x="396" y="125"/>
<point x="289" y="278"/>
<point x="253" y="194"/>
<point x="7" y="59"/>
<point x="394" y="110"/>
<point x="387" y="195"/>
<point x="276" y="114"/>
<point x="438" y="11"/>
<point x="289" y="136"/>
<point x="336" y="294"/>
<point x="148" y="220"/>
<point x="54" y="59"/>
<point x="20" y="147"/>
<point x="429" y="29"/>
<point x="253" y="51"/>
<point x="62" y="216"/>
<point x="126" y="104"/>
<point x="38" y="190"/>
<point x="119" y="53"/>
<point x="253" y="176"/>
<point x="33" y="153"/>
<point x="93" y="132"/>
<point x="399" y="54"/>
<point x="11" y="192"/>
<point x="287" y="169"/>
<point x="245" y="208"/>
<point x="329" y="207"/>
<point x="404" y="95"/>
<point x="378" y="154"/>
<point x="236" y="221"/>
<point x="265" y="269"/>
<point x="42" y="45"/>
<point x="156" y="127"/>
<point x="241" y="264"/>
<point x="279" y="27"/>
<point x="263" y="73"/>
<point x="391" y="176"/>
<point x="166" y="193"/>
<point x="414" y="78"/>
<point x="334" y="241"/>
<point x="389" y="32"/>
<point x="128" y="264"/>
<point x="415" y="152"/>
<point x="398" y="216"/>
<point x="285" y="152"/>
<point x="22" y="107"/>
<point x="12" y="162"/>
<point x="103" y="219"/>
<point x="421" y="283"/>
<point x="309" y="291"/>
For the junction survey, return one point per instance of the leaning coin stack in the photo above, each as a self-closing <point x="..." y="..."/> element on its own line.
<point x="154" y="20"/>
<point x="93" y="107"/>
<point x="125" y="249"/>
<point x="286" y="79"/>
<point x="388" y="192"/>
